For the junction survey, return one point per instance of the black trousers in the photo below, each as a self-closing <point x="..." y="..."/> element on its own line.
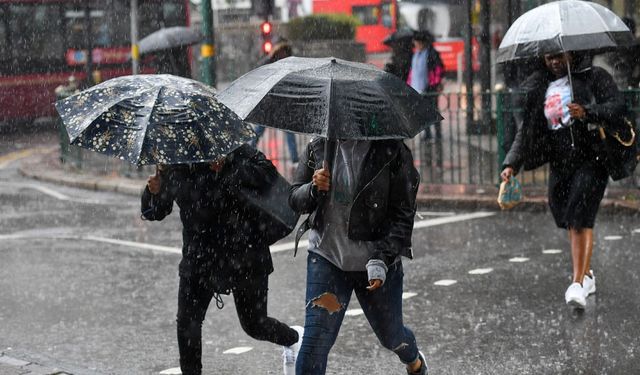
<point x="251" y="305"/>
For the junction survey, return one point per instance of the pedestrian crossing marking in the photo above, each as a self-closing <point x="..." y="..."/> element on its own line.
<point x="354" y="312"/>
<point x="480" y="271"/>
<point x="612" y="238"/>
<point x="445" y="282"/>
<point x="238" y="350"/>
<point x="171" y="371"/>
<point x="407" y="295"/>
<point x="551" y="251"/>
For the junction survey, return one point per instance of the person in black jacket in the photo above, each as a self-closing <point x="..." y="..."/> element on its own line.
<point x="361" y="220"/>
<point x="559" y="129"/>
<point x="223" y="250"/>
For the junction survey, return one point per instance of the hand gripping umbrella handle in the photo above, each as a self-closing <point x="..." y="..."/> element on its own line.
<point x="329" y="152"/>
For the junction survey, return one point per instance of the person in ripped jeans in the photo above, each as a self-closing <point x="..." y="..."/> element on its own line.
<point x="361" y="220"/>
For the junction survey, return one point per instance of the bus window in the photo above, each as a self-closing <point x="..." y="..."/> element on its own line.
<point x="36" y="35"/>
<point x="368" y="15"/>
<point x="154" y="16"/>
<point x="112" y="27"/>
<point x="387" y="17"/>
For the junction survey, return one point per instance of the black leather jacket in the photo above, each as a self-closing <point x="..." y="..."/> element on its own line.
<point x="222" y="243"/>
<point x="594" y="89"/>
<point x="385" y="202"/>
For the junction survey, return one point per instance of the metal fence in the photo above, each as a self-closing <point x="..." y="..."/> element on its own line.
<point x="466" y="148"/>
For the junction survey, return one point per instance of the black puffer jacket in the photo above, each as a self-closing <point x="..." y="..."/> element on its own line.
<point x="594" y="89"/>
<point x="221" y="238"/>
<point x="385" y="202"/>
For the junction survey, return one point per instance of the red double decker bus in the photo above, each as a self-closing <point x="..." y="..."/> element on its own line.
<point x="377" y="19"/>
<point x="43" y="42"/>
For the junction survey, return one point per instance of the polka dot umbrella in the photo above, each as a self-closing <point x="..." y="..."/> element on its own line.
<point x="153" y="119"/>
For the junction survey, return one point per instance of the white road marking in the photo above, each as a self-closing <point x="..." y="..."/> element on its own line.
<point x="285" y="246"/>
<point x="176" y="250"/>
<point x="445" y="282"/>
<point x="551" y="251"/>
<point x="52" y="193"/>
<point x="171" y="371"/>
<point x="612" y="238"/>
<point x="47" y="191"/>
<point x="480" y="271"/>
<point x="636" y="231"/>
<point x="354" y="312"/>
<point x="421" y="214"/>
<point x="238" y="350"/>
<point x="518" y="260"/>
<point x="139" y="245"/>
<point x="451" y="219"/>
<point x="407" y="295"/>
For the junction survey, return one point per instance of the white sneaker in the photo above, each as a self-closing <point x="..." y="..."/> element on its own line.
<point x="290" y="353"/>
<point x="575" y="296"/>
<point x="589" y="283"/>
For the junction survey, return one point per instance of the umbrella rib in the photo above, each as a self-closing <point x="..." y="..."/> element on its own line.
<point x="146" y="125"/>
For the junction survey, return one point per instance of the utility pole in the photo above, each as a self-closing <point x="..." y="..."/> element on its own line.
<point x="135" y="51"/>
<point x="88" y="44"/>
<point x="485" y="63"/>
<point x="207" y="50"/>
<point x="468" y="58"/>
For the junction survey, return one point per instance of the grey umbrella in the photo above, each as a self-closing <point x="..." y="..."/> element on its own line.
<point x="563" y="26"/>
<point x="169" y="37"/>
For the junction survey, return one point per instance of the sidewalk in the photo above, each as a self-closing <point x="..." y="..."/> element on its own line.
<point x="14" y="366"/>
<point x="47" y="168"/>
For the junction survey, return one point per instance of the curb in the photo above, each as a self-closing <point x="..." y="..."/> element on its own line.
<point x="469" y="201"/>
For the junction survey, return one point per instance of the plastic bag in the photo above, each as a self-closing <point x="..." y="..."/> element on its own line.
<point x="510" y="193"/>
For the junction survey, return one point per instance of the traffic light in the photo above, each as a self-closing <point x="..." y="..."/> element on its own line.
<point x="265" y="30"/>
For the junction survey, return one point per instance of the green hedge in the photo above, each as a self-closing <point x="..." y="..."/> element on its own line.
<point x="322" y="27"/>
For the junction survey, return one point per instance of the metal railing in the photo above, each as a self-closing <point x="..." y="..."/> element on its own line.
<point x="460" y="150"/>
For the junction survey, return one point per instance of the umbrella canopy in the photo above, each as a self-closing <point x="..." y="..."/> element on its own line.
<point x="153" y="119"/>
<point x="563" y="26"/>
<point x="169" y="37"/>
<point x="329" y="97"/>
<point x="404" y="36"/>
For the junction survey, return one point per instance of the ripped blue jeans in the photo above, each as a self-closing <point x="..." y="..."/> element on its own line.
<point x="382" y="308"/>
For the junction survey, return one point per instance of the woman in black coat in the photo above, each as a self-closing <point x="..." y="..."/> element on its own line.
<point x="223" y="250"/>
<point x="559" y="129"/>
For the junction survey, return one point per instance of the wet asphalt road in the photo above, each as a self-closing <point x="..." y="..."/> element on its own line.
<point x="72" y="298"/>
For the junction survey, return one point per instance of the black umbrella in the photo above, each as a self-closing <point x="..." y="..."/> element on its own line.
<point x="402" y="36"/>
<point x="153" y="119"/>
<point x="330" y="97"/>
<point x="169" y="37"/>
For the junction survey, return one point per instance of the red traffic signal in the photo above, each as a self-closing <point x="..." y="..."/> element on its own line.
<point x="267" y="46"/>
<point x="266" y="27"/>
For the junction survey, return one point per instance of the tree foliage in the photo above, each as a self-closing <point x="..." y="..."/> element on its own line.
<point x="323" y="27"/>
